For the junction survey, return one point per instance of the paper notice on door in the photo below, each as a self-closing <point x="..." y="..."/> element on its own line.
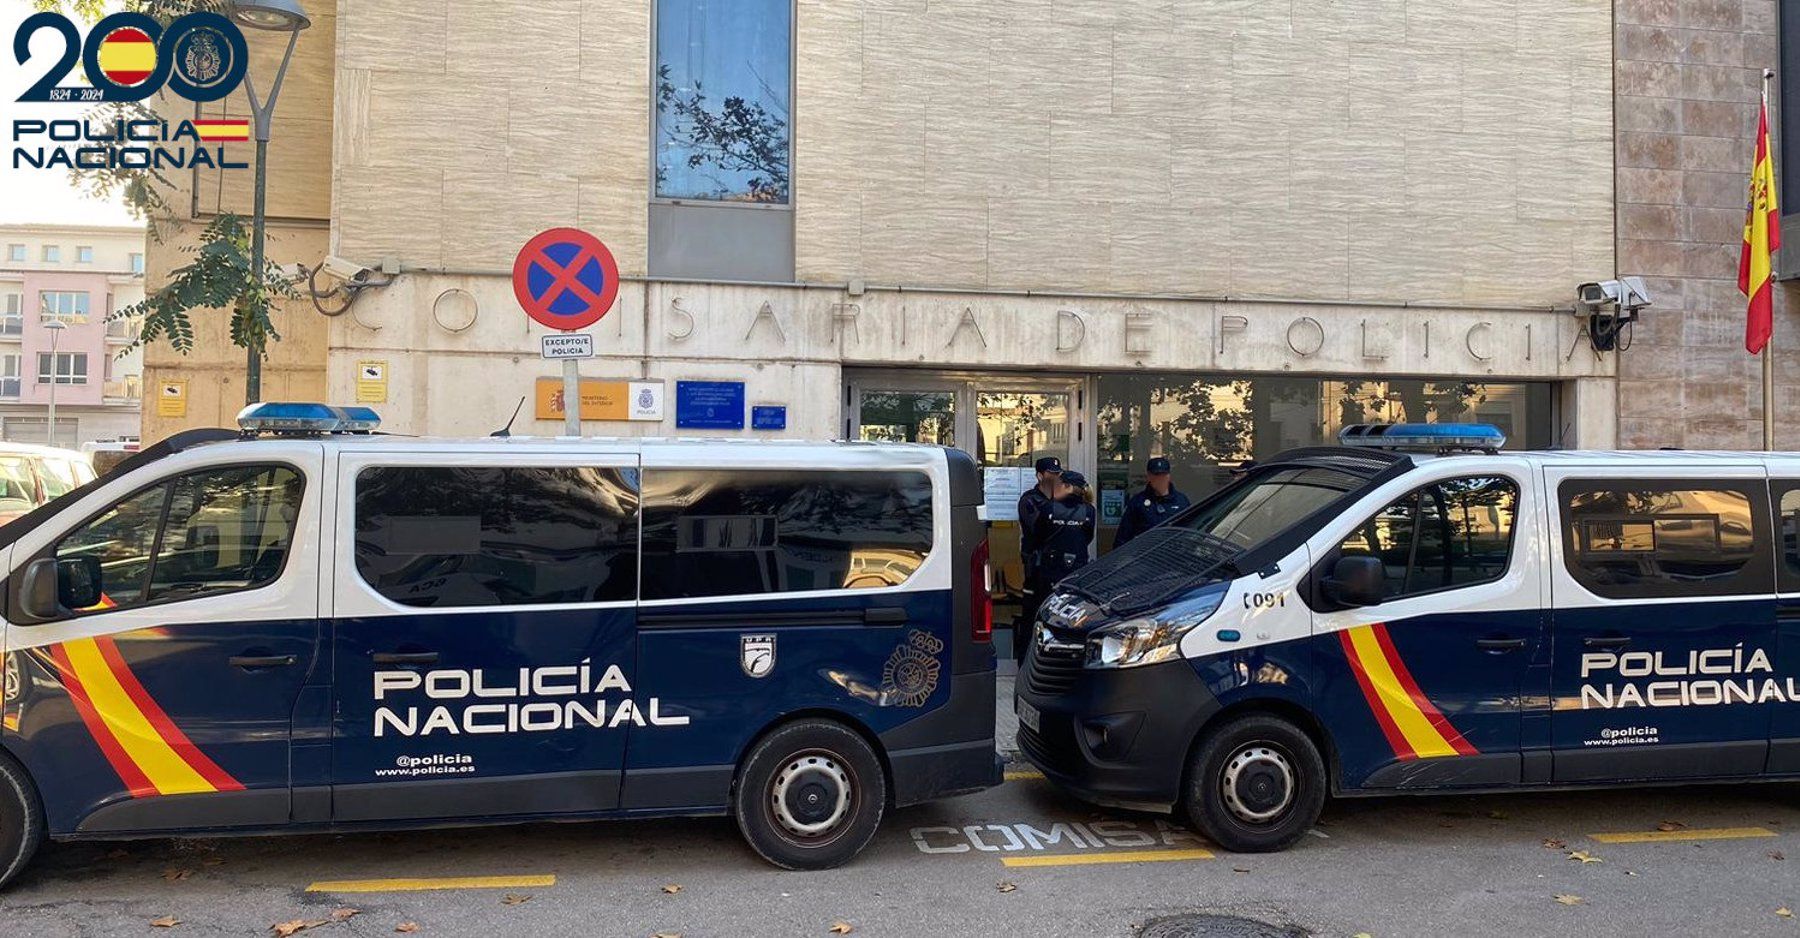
<point x="1001" y="487"/>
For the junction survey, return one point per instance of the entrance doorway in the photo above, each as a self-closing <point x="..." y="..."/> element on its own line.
<point x="1005" y="421"/>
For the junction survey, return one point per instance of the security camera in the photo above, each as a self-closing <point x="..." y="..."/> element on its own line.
<point x="1610" y="307"/>
<point x="342" y="269"/>
<point x="1627" y="293"/>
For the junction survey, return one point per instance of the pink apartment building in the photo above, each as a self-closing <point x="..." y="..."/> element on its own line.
<point x="57" y="285"/>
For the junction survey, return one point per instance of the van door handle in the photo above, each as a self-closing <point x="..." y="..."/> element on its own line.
<point x="1499" y="644"/>
<point x="406" y="657"/>
<point x="1606" y="641"/>
<point x="885" y="615"/>
<point x="257" y="662"/>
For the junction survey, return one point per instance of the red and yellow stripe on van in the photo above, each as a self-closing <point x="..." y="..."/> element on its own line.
<point x="148" y="751"/>
<point x="1413" y="726"/>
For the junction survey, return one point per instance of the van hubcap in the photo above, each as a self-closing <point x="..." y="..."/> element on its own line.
<point x="811" y="795"/>
<point x="1258" y="783"/>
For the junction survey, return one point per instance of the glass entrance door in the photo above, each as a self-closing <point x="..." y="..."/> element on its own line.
<point x="1007" y="422"/>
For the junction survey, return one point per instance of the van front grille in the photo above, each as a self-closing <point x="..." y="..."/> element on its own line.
<point x="1052" y="669"/>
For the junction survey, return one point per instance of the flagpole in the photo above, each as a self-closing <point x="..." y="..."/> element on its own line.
<point x="1768" y="350"/>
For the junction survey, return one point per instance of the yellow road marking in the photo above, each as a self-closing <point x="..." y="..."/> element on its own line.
<point x="1696" y="833"/>
<point x="419" y="885"/>
<point x="1017" y="775"/>
<point x="1123" y="856"/>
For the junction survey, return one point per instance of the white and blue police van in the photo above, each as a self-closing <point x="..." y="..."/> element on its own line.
<point x="308" y="626"/>
<point x="1418" y="611"/>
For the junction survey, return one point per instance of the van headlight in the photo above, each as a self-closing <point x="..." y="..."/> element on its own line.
<point x="1152" y="638"/>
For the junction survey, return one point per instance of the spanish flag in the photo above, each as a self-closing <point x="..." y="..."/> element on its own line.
<point x="1762" y="238"/>
<point x="220" y="131"/>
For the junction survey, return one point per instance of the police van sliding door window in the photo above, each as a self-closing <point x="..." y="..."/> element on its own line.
<point x="1449" y="534"/>
<point x="1662" y="539"/>
<point x="748" y="532"/>
<point x="489" y="536"/>
<point x="201" y="534"/>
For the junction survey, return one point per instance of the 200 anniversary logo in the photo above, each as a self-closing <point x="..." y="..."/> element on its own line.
<point x="128" y="57"/>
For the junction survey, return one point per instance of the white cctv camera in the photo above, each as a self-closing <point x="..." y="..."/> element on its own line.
<point x="1627" y="293"/>
<point x="342" y="269"/>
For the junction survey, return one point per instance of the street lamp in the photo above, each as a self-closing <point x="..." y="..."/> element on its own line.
<point x="282" y="16"/>
<point x="56" y="326"/>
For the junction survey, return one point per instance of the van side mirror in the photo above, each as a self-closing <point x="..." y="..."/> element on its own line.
<point x="50" y="588"/>
<point x="1356" y="581"/>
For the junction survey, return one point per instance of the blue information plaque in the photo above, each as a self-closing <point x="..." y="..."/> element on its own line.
<point x="709" y="405"/>
<point x="768" y="417"/>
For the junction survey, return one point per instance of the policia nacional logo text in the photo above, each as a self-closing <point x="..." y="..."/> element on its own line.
<point x="578" y="691"/>
<point x="1706" y="678"/>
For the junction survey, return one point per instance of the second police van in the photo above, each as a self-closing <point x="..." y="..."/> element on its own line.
<point x="311" y="629"/>
<point x="1417" y="611"/>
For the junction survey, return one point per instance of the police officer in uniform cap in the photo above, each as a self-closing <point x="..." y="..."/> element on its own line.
<point x="1032" y="505"/>
<point x="1158" y="502"/>
<point x="1062" y="533"/>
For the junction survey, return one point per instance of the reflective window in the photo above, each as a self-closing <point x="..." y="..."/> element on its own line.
<point x="84" y="254"/>
<point x="68" y="306"/>
<point x="18" y="490"/>
<point x="123" y="540"/>
<point x="722" y="88"/>
<point x="1789" y="523"/>
<point x="492" y="536"/>
<point x="1449" y="534"/>
<point x="15" y="252"/>
<point x="712" y="532"/>
<point x="1649" y="538"/>
<point x="62" y="367"/>
<point x="1267" y="505"/>
<point x="908" y="417"/>
<point x="226" y="530"/>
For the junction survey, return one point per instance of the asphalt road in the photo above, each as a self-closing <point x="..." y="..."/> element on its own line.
<point x="1021" y="859"/>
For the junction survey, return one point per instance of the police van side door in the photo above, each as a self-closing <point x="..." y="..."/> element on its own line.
<point x="483" y="632"/>
<point x="1426" y="689"/>
<point x="166" y="703"/>
<point x="1664" y="621"/>
<point x="1784" y="722"/>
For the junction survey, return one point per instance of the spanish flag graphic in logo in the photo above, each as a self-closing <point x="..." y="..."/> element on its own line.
<point x="222" y="131"/>
<point x="1412" y="725"/>
<point x="148" y="751"/>
<point x="127" y="56"/>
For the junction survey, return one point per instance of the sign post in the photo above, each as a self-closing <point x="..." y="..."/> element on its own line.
<point x="565" y="279"/>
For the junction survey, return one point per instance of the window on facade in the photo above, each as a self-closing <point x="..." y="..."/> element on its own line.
<point x="9" y="375"/>
<point x="715" y="532"/>
<point x="84" y="254"/>
<point x="202" y="534"/>
<point x="722" y="89"/>
<point x="490" y="536"/>
<point x="67" y="306"/>
<point x="51" y="254"/>
<point x="15" y="253"/>
<point x="12" y="314"/>
<point x="137" y="263"/>
<point x="1649" y="538"/>
<point x="1448" y="534"/>
<point x="67" y="367"/>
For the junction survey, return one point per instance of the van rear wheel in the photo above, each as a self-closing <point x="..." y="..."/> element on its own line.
<point x="21" y="819"/>
<point x="810" y="795"/>
<point x="1256" y="785"/>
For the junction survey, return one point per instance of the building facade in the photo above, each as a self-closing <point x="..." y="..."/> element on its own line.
<point x="58" y="284"/>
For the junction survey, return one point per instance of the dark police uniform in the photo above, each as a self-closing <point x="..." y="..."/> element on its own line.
<point x="1063" y="535"/>
<point x="1146" y="509"/>
<point x="1032" y="506"/>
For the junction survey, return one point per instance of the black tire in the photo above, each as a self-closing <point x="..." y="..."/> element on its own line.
<point x="21" y="819"/>
<point x="1256" y="785"/>
<point x="806" y="775"/>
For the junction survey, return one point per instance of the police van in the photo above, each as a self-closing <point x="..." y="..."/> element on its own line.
<point x="1417" y="611"/>
<point x="307" y="626"/>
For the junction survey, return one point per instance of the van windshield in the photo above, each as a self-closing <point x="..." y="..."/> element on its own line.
<point x="1265" y="505"/>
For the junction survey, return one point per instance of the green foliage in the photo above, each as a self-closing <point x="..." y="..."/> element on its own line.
<point x="219" y="277"/>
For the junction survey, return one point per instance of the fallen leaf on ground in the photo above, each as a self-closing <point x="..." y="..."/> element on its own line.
<point x="1362" y="934"/>
<point x="1584" y="856"/>
<point x="407" y="928"/>
<point x="294" y="926"/>
<point x="1567" y="899"/>
<point x="841" y="928"/>
<point x="1630" y="872"/>
<point x="515" y="899"/>
<point x="1005" y="886"/>
<point x="672" y="888"/>
<point x="1240" y="869"/>
<point x="167" y="921"/>
<point x="212" y="861"/>
<point x="1670" y="826"/>
<point x="667" y="934"/>
<point x="1554" y="844"/>
<point x="176" y="876"/>
<point x="344" y="914"/>
<point x="1785" y="912"/>
<point x="1777" y="855"/>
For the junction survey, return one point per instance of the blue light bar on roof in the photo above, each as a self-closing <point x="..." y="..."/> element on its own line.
<point x="1428" y="436"/>
<point x="306" y="417"/>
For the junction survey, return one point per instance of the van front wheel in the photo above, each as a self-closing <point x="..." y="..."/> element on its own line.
<point x="21" y="819"/>
<point x="810" y="795"/>
<point x="1255" y="785"/>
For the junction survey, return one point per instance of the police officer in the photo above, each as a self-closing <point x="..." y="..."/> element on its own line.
<point x="1158" y="502"/>
<point x="1063" y="533"/>
<point x="1032" y="505"/>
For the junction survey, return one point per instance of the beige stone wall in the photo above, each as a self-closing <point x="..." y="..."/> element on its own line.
<point x="1457" y="151"/>
<point x="1689" y="73"/>
<point x="299" y="205"/>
